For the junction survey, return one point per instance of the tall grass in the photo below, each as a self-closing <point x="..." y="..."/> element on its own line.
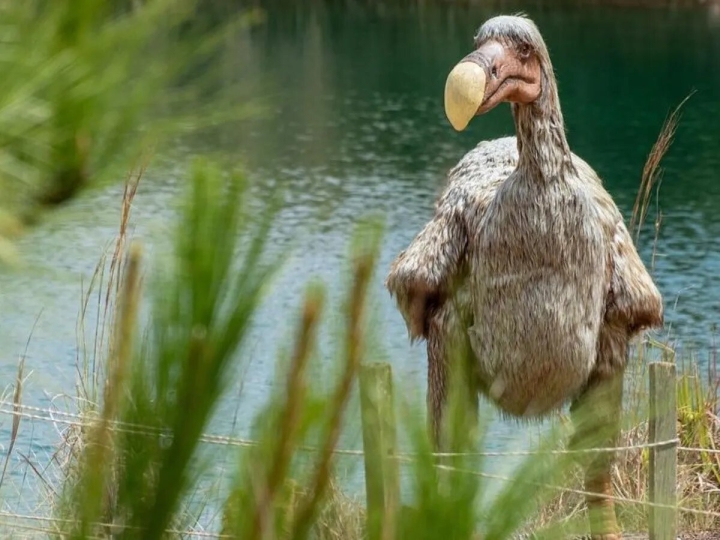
<point x="170" y="378"/>
<point x="91" y="86"/>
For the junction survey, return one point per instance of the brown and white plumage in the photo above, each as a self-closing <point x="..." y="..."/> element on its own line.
<point x="448" y="252"/>
<point x="526" y="258"/>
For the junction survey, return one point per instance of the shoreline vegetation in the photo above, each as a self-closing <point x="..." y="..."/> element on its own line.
<point x="158" y="361"/>
<point x="92" y="86"/>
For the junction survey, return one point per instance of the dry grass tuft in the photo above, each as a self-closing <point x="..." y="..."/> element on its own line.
<point x="91" y="367"/>
<point x="652" y="173"/>
<point x="698" y="477"/>
<point x="339" y="517"/>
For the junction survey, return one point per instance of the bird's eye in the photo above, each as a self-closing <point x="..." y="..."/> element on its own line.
<point x="493" y="71"/>
<point x="524" y="50"/>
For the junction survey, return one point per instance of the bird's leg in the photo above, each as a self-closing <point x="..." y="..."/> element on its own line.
<point x="452" y="395"/>
<point x="436" y="392"/>
<point x="596" y="418"/>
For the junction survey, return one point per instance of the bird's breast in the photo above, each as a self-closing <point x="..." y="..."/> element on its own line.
<point x="538" y="282"/>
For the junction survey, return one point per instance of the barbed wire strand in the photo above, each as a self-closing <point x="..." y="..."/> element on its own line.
<point x="615" y="498"/>
<point x="116" y="526"/>
<point x="136" y="429"/>
<point x="150" y="431"/>
<point x="219" y="439"/>
<point x="204" y="534"/>
<point x="701" y="450"/>
<point x="35" y="528"/>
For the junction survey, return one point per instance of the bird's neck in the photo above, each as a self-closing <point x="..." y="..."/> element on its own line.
<point x="543" y="149"/>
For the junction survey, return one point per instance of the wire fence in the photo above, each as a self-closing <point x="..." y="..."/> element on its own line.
<point x="33" y="523"/>
<point x="615" y="498"/>
<point x="84" y="421"/>
<point x="114" y="527"/>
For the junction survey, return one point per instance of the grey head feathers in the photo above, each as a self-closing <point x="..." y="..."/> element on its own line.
<point x="511" y="30"/>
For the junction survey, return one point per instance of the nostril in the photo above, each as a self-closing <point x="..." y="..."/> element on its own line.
<point x="493" y="71"/>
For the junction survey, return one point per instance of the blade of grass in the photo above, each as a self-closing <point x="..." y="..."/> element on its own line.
<point x="651" y="171"/>
<point x="17" y="398"/>
<point x="354" y="342"/>
<point x="288" y="429"/>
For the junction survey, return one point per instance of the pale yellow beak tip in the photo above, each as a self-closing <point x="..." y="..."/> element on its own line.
<point x="464" y="92"/>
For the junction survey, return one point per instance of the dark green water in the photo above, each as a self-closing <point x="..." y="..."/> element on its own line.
<point x="355" y="126"/>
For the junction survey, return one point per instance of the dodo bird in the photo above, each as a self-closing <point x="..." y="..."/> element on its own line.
<point x="527" y="260"/>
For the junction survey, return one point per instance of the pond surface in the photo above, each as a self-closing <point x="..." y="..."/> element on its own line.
<point x="355" y="125"/>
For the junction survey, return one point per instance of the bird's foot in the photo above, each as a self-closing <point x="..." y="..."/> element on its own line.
<point x="611" y="536"/>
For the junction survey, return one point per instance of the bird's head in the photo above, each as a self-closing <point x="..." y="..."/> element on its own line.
<point x="507" y="65"/>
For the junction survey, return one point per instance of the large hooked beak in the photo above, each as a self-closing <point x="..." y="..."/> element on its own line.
<point x="490" y="75"/>
<point x="464" y="93"/>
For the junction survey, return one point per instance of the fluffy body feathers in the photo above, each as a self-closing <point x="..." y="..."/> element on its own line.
<point x="544" y="280"/>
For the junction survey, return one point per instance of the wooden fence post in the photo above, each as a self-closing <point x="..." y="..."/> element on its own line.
<point x="382" y="481"/>
<point x="663" y="459"/>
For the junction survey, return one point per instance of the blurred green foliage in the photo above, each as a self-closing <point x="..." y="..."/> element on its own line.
<point x="90" y="86"/>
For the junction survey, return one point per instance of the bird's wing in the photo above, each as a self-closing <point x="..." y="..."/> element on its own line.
<point x="420" y="276"/>
<point x="423" y="274"/>
<point x="633" y="300"/>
